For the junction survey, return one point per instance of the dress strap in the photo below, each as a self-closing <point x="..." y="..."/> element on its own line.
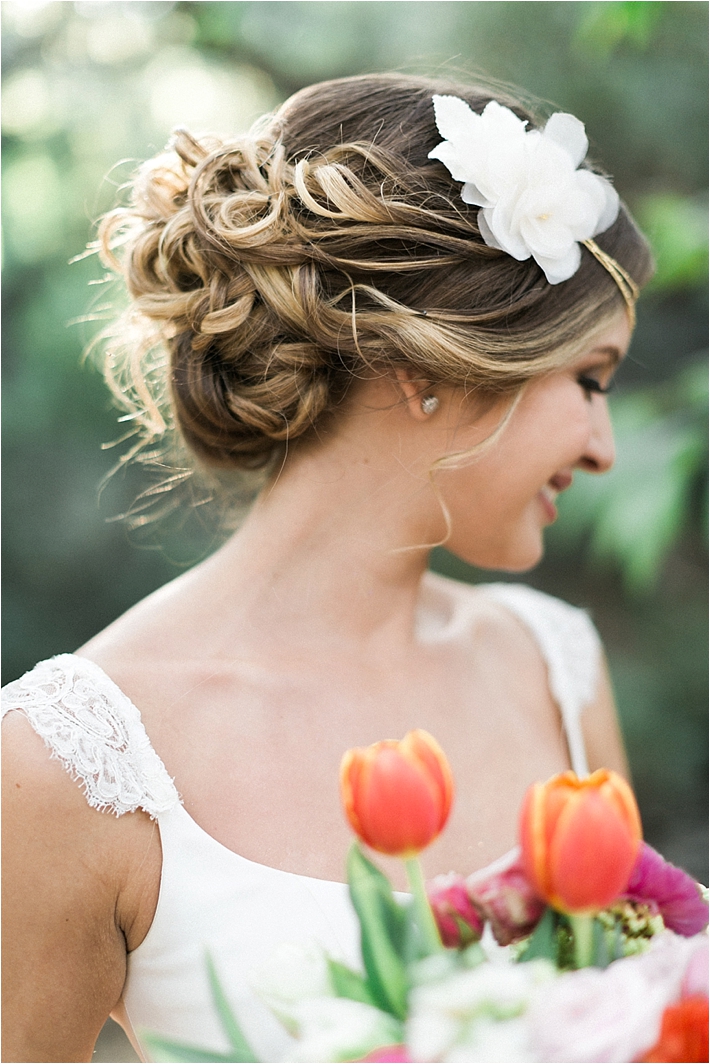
<point x="96" y="732"/>
<point x="571" y="648"/>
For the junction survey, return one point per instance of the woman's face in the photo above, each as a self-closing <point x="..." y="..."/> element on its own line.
<point x="501" y="501"/>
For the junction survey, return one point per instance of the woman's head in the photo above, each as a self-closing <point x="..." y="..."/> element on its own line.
<point x="277" y="268"/>
<point x="494" y="507"/>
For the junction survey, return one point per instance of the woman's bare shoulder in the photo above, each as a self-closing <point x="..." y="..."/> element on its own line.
<point x="32" y="777"/>
<point x="470" y="610"/>
<point x="156" y="620"/>
<point x="526" y="638"/>
<point x="506" y="636"/>
<point x="68" y="913"/>
<point x="49" y="823"/>
<point x="48" y="816"/>
<point x="563" y="634"/>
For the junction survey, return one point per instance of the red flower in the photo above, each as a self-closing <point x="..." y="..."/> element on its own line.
<point x="458" y="920"/>
<point x="684" y="1033"/>
<point x="397" y="795"/>
<point x="506" y="898"/>
<point x="580" y="839"/>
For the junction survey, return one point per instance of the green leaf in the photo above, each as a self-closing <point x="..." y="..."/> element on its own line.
<point x="605" y="26"/>
<point x="383" y="933"/>
<point x="677" y="226"/>
<point x="543" y="941"/>
<point x="241" y="1050"/>
<point x="349" y="984"/>
<point x="165" y="1051"/>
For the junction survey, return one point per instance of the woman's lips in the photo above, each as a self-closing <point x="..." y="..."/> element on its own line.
<point x="547" y="496"/>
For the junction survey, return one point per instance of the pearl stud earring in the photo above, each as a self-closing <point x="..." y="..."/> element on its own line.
<point x="430" y="403"/>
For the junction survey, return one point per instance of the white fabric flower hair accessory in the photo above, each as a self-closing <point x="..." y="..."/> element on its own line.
<point x="534" y="200"/>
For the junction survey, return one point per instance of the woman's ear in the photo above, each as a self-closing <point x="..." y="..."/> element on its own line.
<point x="416" y="393"/>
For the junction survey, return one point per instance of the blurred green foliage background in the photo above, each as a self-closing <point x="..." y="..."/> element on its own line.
<point x="92" y="88"/>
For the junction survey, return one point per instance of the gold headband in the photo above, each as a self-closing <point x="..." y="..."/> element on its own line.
<point x="626" y="284"/>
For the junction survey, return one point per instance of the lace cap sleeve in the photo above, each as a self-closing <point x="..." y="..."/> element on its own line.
<point x="571" y="647"/>
<point x="96" y="732"/>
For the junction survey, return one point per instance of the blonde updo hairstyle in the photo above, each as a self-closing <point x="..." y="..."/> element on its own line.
<point x="268" y="271"/>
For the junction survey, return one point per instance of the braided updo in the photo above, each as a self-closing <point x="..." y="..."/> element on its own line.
<point x="268" y="271"/>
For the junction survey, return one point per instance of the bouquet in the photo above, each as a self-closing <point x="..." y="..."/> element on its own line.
<point x="582" y="944"/>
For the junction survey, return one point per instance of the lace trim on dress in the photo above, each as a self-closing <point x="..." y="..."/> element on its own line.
<point x="571" y="647"/>
<point x="96" y="732"/>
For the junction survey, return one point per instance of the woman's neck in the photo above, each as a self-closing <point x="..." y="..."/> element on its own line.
<point x="331" y="557"/>
<point x="332" y="554"/>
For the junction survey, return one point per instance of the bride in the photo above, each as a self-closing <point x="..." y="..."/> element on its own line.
<point x="389" y="304"/>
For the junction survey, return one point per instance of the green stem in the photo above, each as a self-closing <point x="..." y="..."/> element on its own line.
<point x="422" y="909"/>
<point x="583" y="933"/>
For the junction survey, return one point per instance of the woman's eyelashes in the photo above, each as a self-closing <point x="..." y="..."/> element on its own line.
<point x="591" y="384"/>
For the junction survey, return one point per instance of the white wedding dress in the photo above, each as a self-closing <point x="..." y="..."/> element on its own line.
<point x="211" y="899"/>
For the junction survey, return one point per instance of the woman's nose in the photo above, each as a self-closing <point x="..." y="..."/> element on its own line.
<point x="600" y="452"/>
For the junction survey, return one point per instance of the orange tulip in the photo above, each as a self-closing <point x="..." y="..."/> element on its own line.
<point x="397" y="795"/>
<point x="580" y="838"/>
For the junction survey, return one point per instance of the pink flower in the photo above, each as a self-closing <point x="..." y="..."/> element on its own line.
<point x="387" y="1055"/>
<point x="695" y="980"/>
<point x="505" y="897"/>
<point x="458" y="920"/>
<point x="673" y="891"/>
<point x="610" y="1015"/>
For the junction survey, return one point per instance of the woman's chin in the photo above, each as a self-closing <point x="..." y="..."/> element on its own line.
<point x="518" y="558"/>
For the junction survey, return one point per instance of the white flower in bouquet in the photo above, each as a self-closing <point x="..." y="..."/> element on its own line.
<point x="495" y="1042"/>
<point x="293" y="972"/>
<point x="296" y="984"/>
<point x="338" y="1029"/>
<point x="466" y="1012"/>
